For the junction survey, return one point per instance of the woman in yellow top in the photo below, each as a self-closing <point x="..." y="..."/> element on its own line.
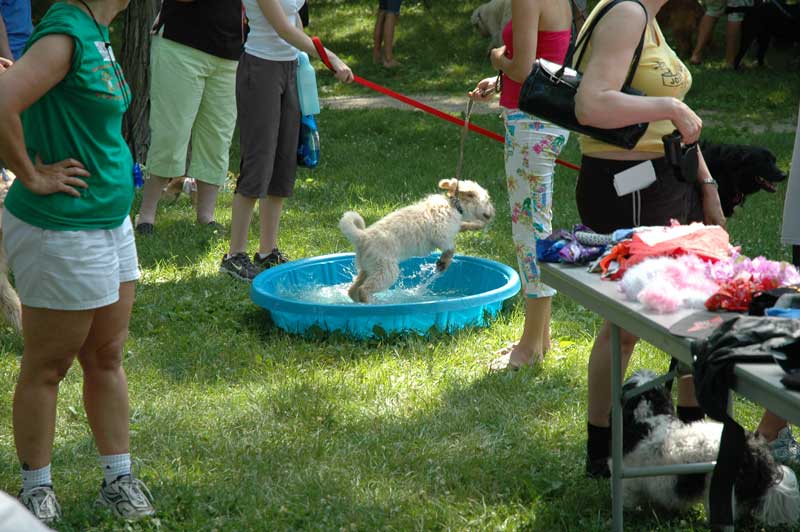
<point x="665" y="80"/>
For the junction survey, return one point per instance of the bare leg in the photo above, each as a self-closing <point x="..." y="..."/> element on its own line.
<point x="269" y="209"/>
<point x="151" y="193"/>
<point x="206" y="202"/>
<point x="535" y="340"/>
<point x="377" y="37"/>
<point x="704" y="33"/>
<point x="242" y="213"/>
<point x="388" y="40"/>
<point x="105" y="387"/>
<point x="45" y="361"/>
<point x="599" y="406"/>
<point x="733" y="40"/>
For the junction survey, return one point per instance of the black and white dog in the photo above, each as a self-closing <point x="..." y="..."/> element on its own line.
<point x="740" y="170"/>
<point x="653" y="435"/>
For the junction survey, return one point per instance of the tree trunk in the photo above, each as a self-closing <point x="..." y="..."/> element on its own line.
<point x="135" y="60"/>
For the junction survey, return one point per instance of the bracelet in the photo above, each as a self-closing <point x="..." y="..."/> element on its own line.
<point x="709" y="181"/>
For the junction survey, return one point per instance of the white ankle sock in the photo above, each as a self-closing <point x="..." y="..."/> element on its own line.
<point x="115" y="465"/>
<point x="32" y="478"/>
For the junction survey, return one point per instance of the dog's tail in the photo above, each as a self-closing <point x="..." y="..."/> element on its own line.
<point x="352" y="225"/>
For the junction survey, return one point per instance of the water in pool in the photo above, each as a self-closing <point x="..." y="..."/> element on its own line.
<point x="412" y="288"/>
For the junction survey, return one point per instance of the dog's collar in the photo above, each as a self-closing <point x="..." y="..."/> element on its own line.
<point x="456" y="204"/>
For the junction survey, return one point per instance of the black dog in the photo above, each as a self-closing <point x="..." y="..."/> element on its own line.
<point x="765" y="20"/>
<point x="740" y="170"/>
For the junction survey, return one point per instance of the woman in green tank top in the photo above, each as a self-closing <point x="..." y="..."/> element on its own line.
<point x="69" y="242"/>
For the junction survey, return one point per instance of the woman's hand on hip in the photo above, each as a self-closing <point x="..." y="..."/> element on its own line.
<point x="484" y="90"/>
<point x="686" y="122"/>
<point x="57" y="177"/>
<point x="712" y="208"/>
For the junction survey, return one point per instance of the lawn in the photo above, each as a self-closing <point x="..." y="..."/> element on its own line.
<point x="239" y="426"/>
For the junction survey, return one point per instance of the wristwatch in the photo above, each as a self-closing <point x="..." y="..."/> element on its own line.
<point x="709" y="181"/>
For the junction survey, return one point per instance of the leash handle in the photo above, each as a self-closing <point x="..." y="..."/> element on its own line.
<point x="323" y="54"/>
<point x="464" y="132"/>
<point x="419" y="105"/>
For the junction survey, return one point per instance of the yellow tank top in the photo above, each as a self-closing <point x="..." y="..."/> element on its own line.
<point x="660" y="73"/>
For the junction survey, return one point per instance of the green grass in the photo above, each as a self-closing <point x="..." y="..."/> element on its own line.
<point x="240" y="426"/>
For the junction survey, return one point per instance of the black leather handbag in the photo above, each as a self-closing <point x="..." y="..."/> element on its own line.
<point x="549" y="90"/>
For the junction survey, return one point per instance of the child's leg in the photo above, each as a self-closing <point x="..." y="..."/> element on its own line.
<point x="377" y="36"/>
<point x="389" y="25"/>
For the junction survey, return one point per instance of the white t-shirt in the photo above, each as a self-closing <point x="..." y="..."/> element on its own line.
<point x="263" y="41"/>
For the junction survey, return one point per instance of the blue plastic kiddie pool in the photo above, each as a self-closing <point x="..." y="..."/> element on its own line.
<point x="310" y="293"/>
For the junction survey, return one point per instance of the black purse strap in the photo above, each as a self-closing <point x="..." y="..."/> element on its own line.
<point x="584" y="39"/>
<point x="573" y="34"/>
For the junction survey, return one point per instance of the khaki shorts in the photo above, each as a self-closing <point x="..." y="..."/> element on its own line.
<point x="716" y="8"/>
<point x="69" y="270"/>
<point x="192" y="95"/>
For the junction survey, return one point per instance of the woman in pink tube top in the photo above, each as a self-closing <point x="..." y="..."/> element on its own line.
<point x="538" y="29"/>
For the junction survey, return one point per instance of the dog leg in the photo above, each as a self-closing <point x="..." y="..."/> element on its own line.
<point x="355" y="289"/>
<point x="379" y="281"/>
<point x="444" y="261"/>
<point x="9" y="301"/>
<point x="471" y="226"/>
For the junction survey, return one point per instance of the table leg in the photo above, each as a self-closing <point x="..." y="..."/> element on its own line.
<point x="616" y="430"/>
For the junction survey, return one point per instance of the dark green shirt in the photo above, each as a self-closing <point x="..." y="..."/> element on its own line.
<point x="79" y="118"/>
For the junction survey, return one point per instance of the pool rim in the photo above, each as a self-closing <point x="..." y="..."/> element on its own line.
<point x="273" y="302"/>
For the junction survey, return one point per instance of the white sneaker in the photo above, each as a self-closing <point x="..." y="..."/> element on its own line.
<point x="41" y="502"/>
<point x="127" y="498"/>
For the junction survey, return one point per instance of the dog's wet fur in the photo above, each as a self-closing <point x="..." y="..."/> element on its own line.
<point x="415" y="230"/>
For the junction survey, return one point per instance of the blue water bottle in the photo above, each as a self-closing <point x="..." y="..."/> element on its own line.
<point x="308" y="148"/>
<point x="307" y="86"/>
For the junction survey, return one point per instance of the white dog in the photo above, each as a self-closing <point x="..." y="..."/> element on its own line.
<point x="414" y="231"/>
<point x="9" y="301"/>
<point x="490" y="19"/>
<point x="653" y="435"/>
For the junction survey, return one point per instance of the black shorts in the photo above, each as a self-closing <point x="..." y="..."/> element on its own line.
<point x="603" y="211"/>
<point x="269" y="126"/>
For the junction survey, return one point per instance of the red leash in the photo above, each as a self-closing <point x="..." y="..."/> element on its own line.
<point x="419" y="105"/>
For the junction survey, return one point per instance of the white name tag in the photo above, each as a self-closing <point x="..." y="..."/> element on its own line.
<point x="635" y="178"/>
<point x="105" y="51"/>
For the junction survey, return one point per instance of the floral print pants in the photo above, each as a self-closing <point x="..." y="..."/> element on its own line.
<point x="531" y="148"/>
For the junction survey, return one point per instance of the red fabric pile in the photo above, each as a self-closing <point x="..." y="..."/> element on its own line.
<point x="707" y="242"/>
<point x="736" y="294"/>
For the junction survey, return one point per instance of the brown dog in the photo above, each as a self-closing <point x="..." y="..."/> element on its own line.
<point x="680" y="19"/>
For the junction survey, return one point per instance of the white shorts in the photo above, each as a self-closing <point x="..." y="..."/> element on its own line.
<point x="69" y="270"/>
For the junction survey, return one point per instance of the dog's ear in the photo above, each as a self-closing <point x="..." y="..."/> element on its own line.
<point x="448" y="184"/>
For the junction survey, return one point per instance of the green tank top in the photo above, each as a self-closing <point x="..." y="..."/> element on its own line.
<point x="79" y="118"/>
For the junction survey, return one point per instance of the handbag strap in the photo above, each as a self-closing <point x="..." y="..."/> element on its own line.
<point x="573" y="34"/>
<point x="584" y="39"/>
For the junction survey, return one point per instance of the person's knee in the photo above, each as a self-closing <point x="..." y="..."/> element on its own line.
<point x="105" y="357"/>
<point x="50" y="373"/>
